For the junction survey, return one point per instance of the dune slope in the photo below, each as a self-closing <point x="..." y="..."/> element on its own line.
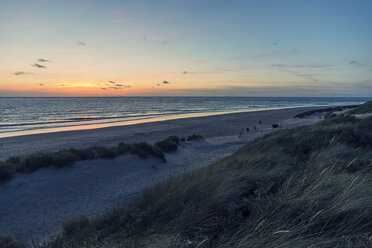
<point x="309" y="186"/>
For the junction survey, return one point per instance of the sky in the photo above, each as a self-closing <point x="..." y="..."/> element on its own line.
<point x="185" y="48"/>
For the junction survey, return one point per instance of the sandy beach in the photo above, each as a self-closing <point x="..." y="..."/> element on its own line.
<point x="208" y="126"/>
<point x="34" y="205"/>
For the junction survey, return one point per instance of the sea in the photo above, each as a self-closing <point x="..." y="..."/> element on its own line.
<point x="31" y="115"/>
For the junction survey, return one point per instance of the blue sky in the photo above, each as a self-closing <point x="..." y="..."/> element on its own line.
<point x="266" y="48"/>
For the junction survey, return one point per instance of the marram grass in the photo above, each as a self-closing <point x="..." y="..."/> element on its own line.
<point x="32" y="162"/>
<point x="306" y="187"/>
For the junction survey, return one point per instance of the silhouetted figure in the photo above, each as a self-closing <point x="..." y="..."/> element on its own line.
<point x="241" y="133"/>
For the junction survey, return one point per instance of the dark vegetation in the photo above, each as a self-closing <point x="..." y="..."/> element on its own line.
<point x="362" y="109"/>
<point x="305" y="187"/>
<point x="168" y="145"/>
<point x="76" y="225"/>
<point x="324" y="110"/>
<point x="7" y="241"/>
<point x="32" y="162"/>
<point x="194" y="137"/>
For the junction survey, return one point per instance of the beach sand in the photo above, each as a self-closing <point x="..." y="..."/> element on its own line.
<point x="208" y="126"/>
<point x="34" y="205"/>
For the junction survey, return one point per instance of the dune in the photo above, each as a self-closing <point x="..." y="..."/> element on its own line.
<point x="33" y="206"/>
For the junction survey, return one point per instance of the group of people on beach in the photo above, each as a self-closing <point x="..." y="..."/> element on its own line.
<point x="246" y="130"/>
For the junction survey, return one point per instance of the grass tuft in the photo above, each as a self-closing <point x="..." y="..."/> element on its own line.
<point x="7" y="241"/>
<point x="6" y="172"/>
<point x="362" y="109"/>
<point x="123" y="148"/>
<point x="76" y="226"/>
<point x="195" y="137"/>
<point x="326" y="110"/>
<point x="168" y="145"/>
<point x="144" y="149"/>
<point x="33" y="162"/>
<point x="105" y="152"/>
<point x="64" y="158"/>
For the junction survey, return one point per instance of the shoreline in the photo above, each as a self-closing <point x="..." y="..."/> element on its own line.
<point x="136" y="120"/>
<point x="207" y="126"/>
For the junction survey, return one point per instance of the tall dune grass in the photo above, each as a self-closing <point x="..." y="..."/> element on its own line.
<point x="328" y="110"/>
<point x="306" y="187"/>
<point x="362" y="109"/>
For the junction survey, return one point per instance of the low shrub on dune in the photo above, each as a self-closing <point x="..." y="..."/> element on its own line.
<point x="84" y="154"/>
<point x="6" y="172"/>
<point x="195" y="137"/>
<point x="144" y="149"/>
<point x="33" y="162"/>
<point x="168" y="145"/>
<point x="123" y="148"/>
<point x="64" y="158"/>
<point x="105" y="152"/>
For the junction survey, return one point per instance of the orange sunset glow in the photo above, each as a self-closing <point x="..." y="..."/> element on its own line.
<point x="45" y="53"/>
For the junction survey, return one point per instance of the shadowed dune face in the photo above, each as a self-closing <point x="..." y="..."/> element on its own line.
<point x="293" y="188"/>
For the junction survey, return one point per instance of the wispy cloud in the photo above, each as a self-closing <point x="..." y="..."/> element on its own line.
<point x="80" y="43"/>
<point x="18" y="73"/>
<point x="120" y="87"/>
<point x="309" y="76"/>
<point x="234" y="58"/>
<point x="39" y="66"/>
<point x="354" y="62"/>
<point x="270" y="54"/>
<point x="212" y="71"/>
<point x="306" y="76"/>
<point x="43" y="60"/>
<point x="155" y="41"/>
<point x="115" y="86"/>
<point x="299" y="66"/>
